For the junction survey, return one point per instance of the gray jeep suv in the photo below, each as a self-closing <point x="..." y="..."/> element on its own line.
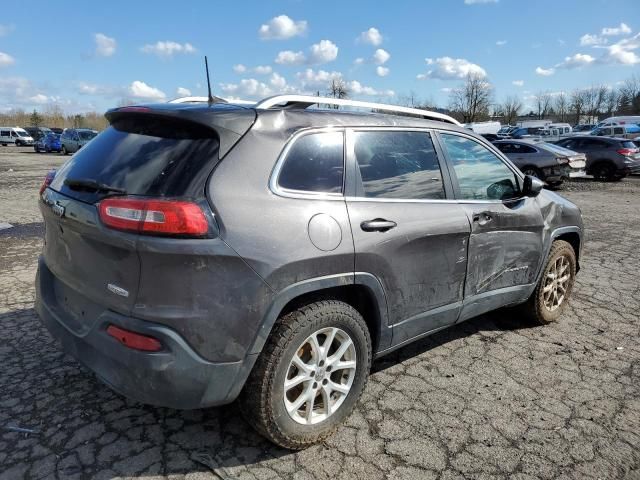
<point x="199" y="253"/>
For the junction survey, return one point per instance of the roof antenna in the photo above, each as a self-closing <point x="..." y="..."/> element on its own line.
<point x="206" y="66"/>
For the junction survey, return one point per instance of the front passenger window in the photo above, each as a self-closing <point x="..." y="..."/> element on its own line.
<point x="481" y="174"/>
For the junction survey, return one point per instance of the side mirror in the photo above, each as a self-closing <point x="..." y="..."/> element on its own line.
<point x="532" y="186"/>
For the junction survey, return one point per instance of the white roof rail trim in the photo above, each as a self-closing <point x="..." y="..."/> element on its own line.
<point x="309" y="100"/>
<point x="205" y="100"/>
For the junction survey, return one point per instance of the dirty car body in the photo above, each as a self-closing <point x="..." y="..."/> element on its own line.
<point x="278" y="225"/>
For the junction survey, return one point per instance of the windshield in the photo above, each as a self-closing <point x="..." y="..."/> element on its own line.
<point x="22" y="133"/>
<point x="86" y="134"/>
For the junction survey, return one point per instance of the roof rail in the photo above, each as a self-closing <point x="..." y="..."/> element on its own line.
<point x="305" y="101"/>
<point x="206" y="100"/>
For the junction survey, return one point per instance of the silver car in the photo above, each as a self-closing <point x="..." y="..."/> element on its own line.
<point x="548" y="162"/>
<point x="73" y="139"/>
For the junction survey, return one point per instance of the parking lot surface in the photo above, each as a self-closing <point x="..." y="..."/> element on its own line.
<point x="491" y="398"/>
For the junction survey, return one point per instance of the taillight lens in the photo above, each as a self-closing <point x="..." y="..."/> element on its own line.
<point x="627" y="152"/>
<point x="47" y="181"/>
<point x="562" y="160"/>
<point x="153" y="217"/>
<point x="134" y="340"/>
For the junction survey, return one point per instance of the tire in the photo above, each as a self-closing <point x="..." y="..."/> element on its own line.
<point x="64" y="150"/>
<point x="18" y="143"/>
<point x="539" y="307"/>
<point x="603" y="171"/>
<point x="270" y="408"/>
<point x="37" y="150"/>
<point x="534" y="172"/>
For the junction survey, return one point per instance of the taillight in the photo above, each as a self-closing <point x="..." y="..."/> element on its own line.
<point x="562" y="160"/>
<point x="627" y="152"/>
<point x="47" y="181"/>
<point x="153" y="217"/>
<point x="134" y="340"/>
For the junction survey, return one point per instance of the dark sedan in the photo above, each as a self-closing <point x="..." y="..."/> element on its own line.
<point x="546" y="161"/>
<point x="607" y="158"/>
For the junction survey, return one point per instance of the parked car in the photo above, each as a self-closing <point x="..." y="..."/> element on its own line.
<point x="48" y="143"/>
<point x="223" y="251"/>
<point x="37" y="132"/>
<point x="525" y="132"/>
<point x="586" y="128"/>
<point x="548" y="162"/>
<point x="73" y="139"/>
<point x="16" y="135"/>
<point x="629" y="130"/>
<point x="620" y="120"/>
<point x="57" y="130"/>
<point x="607" y="158"/>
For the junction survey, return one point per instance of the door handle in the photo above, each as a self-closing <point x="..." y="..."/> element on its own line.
<point x="377" y="225"/>
<point x="482" y="218"/>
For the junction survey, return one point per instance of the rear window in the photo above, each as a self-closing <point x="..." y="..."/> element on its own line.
<point x="144" y="156"/>
<point x="628" y="144"/>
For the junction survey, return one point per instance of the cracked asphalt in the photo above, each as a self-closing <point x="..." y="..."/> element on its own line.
<point x="491" y="398"/>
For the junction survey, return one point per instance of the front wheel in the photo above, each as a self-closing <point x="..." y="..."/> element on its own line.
<point x="533" y="172"/>
<point x="604" y="171"/>
<point x="64" y="150"/>
<point x="309" y="375"/>
<point x="554" y="288"/>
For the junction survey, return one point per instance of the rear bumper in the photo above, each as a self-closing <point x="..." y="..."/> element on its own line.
<point x="175" y="377"/>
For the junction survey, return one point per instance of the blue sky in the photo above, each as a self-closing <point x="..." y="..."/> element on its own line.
<point x="90" y="55"/>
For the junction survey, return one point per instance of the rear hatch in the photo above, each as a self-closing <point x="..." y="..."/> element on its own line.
<point x="140" y="156"/>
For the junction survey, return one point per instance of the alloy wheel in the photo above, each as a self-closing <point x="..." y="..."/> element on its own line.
<point x="320" y="376"/>
<point x="556" y="282"/>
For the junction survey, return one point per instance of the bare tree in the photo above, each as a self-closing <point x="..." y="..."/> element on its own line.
<point x="577" y="104"/>
<point x="562" y="106"/>
<point x="612" y="102"/>
<point x="544" y="101"/>
<point x="510" y="109"/>
<point x="595" y="98"/>
<point x="472" y="100"/>
<point x="338" y="89"/>
<point x="630" y="96"/>
<point x="54" y="115"/>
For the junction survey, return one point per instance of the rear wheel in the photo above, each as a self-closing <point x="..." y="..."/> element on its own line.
<point x="533" y="172"/>
<point x="554" y="288"/>
<point x="64" y="150"/>
<point x="309" y="375"/>
<point x="604" y="171"/>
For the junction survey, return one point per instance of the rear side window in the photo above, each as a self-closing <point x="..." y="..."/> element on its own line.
<point x="314" y="163"/>
<point x="144" y="155"/>
<point x="481" y="174"/>
<point x="628" y="144"/>
<point x="401" y="165"/>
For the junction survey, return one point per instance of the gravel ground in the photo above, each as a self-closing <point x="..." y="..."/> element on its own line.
<point x="491" y="398"/>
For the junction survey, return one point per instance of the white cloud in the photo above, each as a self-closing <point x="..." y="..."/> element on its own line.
<point x="289" y="57"/>
<point x="622" y="52"/>
<point x="183" y="92"/>
<point x="323" y="52"/>
<point x="371" y="36"/>
<point x="105" y="46"/>
<point x="247" y="87"/>
<point x="40" y="99"/>
<point x="479" y="2"/>
<point x="381" y="56"/>
<point x="545" y="72"/>
<point x="518" y="83"/>
<point x="356" y="88"/>
<point x="447" y="68"/>
<point x="6" y="30"/>
<point x="311" y="78"/>
<point x="358" y="61"/>
<point x="446" y="90"/>
<point x="281" y="28"/>
<point x="500" y="43"/>
<point x="263" y="70"/>
<point x="168" y="48"/>
<point x="278" y="82"/>
<point x="382" y="71"/>
<point x="576" y="61"/>
<point x="142" y="91"/>
<point x="6" y="60"/>
<point x="588" y="40"/>
<point x="622" y="29"/>
<point x="239" y="68"/>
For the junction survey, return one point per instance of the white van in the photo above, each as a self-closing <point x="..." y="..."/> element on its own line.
<point x="15" y="135"/>
<point x="612" y="121"/>
<point x="556" y="130"/>
<point x="483" y="127"/>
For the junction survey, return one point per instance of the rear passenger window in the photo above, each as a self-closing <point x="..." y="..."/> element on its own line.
<point x="314" y="163"/>
<point x="401" y="165"/>
<point x="481" y="174"/>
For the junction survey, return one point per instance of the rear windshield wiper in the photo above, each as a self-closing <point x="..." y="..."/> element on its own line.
<point x="86" y="184"/>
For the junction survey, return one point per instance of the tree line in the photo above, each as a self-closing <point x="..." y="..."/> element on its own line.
<point x="52" y="116"/>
